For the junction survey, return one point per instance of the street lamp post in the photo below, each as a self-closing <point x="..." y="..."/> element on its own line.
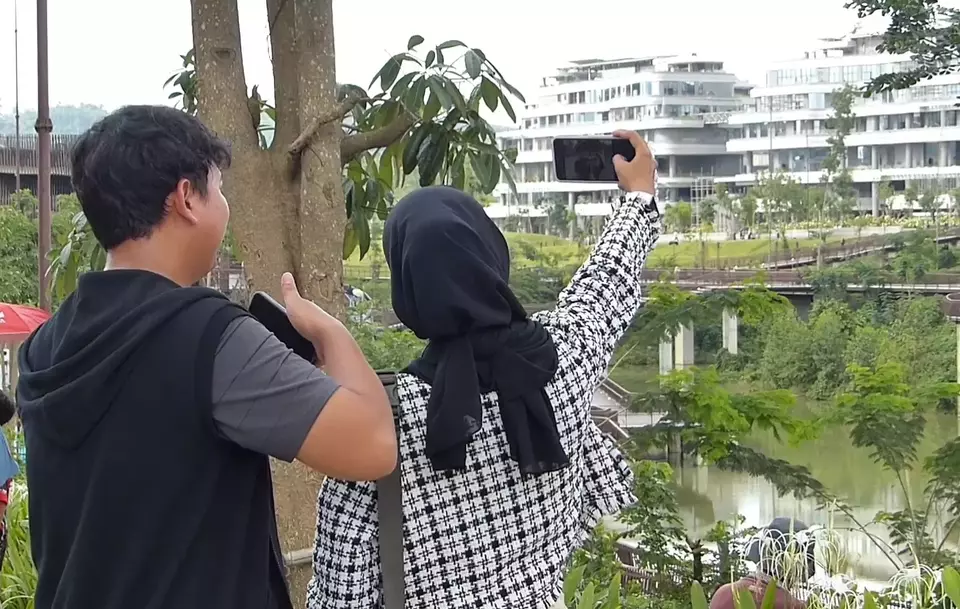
<point x="16" y="97"/>
<point x="43" y="126"/>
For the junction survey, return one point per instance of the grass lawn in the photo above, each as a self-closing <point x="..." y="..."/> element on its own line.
<point x="636" y="379"/>
<point x="687" y="254"/>
<point x="532" y="250"/>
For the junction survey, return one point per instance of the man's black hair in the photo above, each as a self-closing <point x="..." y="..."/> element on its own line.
<point x="125" y="166"/>
<point x="7" y="408"/>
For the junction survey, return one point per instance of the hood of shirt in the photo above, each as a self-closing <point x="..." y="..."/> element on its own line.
<point x="72" y="367"/>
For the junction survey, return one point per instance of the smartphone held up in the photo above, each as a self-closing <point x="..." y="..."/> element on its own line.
<point x="273" y="316"/>
<point x="589" y="158"/>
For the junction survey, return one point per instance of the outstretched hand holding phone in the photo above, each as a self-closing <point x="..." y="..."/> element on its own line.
<point x="640" y="173"/>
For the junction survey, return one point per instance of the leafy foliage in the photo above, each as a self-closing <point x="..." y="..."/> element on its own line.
<point x="18" y="577"/>
<point x="386" y="348"/>
<point x="886" y="415"/>
<point x="19" y="242"/>
<point x="925" y="29"/>
<point x="679" y="217"/>
<point x="448" y="134"/>
<point x="440" y="92"/>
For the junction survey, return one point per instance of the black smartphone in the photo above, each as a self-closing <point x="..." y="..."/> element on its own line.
<point x="273" y="316"/>
<point x="589" y="158"/>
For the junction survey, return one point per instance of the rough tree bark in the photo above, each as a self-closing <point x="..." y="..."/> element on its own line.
<point x="287" y="205"/>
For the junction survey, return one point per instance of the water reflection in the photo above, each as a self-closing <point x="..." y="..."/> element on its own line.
<point x="707" y="494"/>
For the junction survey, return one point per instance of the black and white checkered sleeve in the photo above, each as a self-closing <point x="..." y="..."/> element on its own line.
<point x="604" y="294"/>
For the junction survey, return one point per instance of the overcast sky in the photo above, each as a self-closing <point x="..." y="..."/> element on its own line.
<point x="115" y="52"/>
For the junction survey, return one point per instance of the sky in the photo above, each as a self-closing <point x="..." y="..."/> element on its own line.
<point x="116" y="52"/>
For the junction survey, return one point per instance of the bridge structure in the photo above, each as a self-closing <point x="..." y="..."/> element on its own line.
<point x="27" y="155"/>
<point x="795" y="283"/>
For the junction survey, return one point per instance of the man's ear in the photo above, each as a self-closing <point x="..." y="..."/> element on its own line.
<point x="183" y="201"/>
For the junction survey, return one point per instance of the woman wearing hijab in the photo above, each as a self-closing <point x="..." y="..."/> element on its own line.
<point x="503" y="472"/>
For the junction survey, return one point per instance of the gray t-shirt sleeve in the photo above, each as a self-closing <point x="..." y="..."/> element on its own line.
<point x="265" y="398"/>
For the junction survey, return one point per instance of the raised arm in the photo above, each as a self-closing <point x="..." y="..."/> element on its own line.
<point x="597" y="307"/>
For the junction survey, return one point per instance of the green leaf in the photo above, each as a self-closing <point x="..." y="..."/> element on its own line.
<point x="487" y="168"/>
<point x="571" y="583"/>
<point x="743" y="598"/>
<point x="382" y="210"/>
<point x="401" y="85"/>
<point x="385" y="114"/>
<point x="479" y="168"/>
<point x="358" y="201"/>
<point x="769" y="596"/>
<point x="951" y="585"/>
<point x="491" y="94"/>
<point x="613" y="592"/>
<point x="389" y="72"/>
<point x="588" y="598"/>
<point x="438" y="88"/>
<point x="414" y="42"/>
<point x="458" y="175"/>
<point x="450" y="44"/>
<point x="431" y="158"/>
<point x="513" y="90"/>
<point x="431" y="57"/>
<point x="439" y="56"/>
<point x="507" y="106"/>
<point x="473" y="63"/>
<point x="432" y="108"/>
<point x="361" y="226"/>
<point x="870" y="601"/>
<point x="698" y="599"/>
<point x="455" y="95"/>
<point x="350" y="241"/>
<point x="385" y="170"/>
<point x="65" y="253"/>
<point x="412" y="150"/>
<point x="413" y="101"/>
<point x="494" y="175"/>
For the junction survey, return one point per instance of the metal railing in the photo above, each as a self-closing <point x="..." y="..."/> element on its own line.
<point x="60" y="148"/>
<point x="721" y="279"/>
<point x="799" y="256"/>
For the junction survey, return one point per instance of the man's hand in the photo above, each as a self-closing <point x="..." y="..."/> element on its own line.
<point x="309" y="320"/>
<point x="639" y="175"/>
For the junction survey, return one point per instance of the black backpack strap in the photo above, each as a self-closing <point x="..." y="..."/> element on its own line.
<point x="390" y="515"/>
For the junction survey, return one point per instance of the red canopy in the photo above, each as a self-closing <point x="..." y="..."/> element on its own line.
<point x="18" y="321"/>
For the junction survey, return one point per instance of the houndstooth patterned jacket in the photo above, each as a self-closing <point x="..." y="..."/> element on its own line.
<point x="486" y="537"/>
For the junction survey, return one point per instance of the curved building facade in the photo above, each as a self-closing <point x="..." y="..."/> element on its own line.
<point x="667" y="99"/>
<point x="903" y="137"/>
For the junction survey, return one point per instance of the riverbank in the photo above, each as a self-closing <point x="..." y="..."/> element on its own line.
<point x="708" y="494"/>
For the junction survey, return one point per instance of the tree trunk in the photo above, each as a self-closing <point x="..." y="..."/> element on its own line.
<point x="287" y="211"/>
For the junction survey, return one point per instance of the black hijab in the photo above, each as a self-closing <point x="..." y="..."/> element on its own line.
<point x="449" y="269"/>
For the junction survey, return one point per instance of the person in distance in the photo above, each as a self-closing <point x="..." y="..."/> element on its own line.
<point x="502" y="467"/>
<point x="150" y="407"/>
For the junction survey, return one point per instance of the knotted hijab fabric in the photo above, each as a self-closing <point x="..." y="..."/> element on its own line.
<point x="450" y="270"/>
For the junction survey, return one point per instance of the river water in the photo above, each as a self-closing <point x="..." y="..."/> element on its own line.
<point x="707" y="494"/>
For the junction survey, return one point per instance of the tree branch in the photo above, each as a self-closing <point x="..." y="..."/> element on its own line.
<point x="352" y="145"/>
<point x="285" y="53"/>
<point x="335" y="114"/>
<point x="222" y="88"/>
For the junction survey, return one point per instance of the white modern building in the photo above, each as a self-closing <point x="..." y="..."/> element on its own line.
<point x="672" y="101"/>
<point x="903" y="137"/>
